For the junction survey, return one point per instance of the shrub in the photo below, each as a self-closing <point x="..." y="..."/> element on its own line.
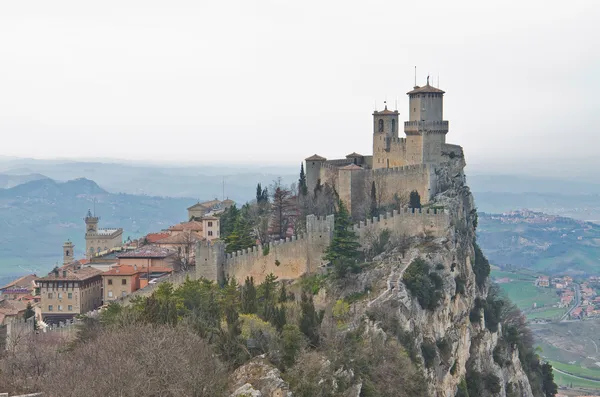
<point x="429" y="353"/>
<point x="422" y="284"/>
<point x="445" y="347"/>
<point x="461" y="283"/>
<point x="462" y="390"/>
<point x="266" y="250"/>
<point x="481" y="266"/>
<point x="492" y="383"/>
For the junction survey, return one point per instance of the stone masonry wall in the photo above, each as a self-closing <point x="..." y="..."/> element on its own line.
<point x="293" y="257"/>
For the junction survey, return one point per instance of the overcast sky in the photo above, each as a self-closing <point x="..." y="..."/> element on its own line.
<point x="276" y="81"/>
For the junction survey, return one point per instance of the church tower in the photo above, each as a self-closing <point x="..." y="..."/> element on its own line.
<point x="385" y="133"/>
<point x="91" y="231"/>
<point x="68" y="252"/>
<point x="426" y="129"/>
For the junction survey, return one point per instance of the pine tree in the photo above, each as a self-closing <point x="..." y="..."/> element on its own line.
<point x="414" y="200"/>
<point x="249" y="299"/>
<point x="374" y="212"/>
<point x="283" y="293"/>
<point x="310" y="320"/>
<point x="241" y="237"/>
<point x="302" y="187"/>
<point x="343" y="251"/>
<point x="258" y="192"/>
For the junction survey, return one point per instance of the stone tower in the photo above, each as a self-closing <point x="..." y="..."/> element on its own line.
<point x="91" y="223"/>
<point x="385" y="134"/>
<point x="426" y="129"/>
<point x="68" y="252"/>
<point x="313" y="171"/>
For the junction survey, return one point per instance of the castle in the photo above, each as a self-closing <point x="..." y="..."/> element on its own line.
<point x="98" y="240"/>
<point x="398" y="165"/>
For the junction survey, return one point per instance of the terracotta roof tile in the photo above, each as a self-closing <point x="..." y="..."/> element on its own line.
<point x="194" y="226"/>
<point x="351" y="167"/>
<point x="425" y="89"/>
<point x="70" y="272"/>
<point x="315" y="157"/>
<point x="154" y="237"/>
<point x="147" y="251"/>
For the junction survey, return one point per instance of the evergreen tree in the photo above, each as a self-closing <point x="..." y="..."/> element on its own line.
<point x="267" y="297"/>
<point x="310" y="320"/>
<point x="374" y="212"/>
<point x="29" y="312"/>
<point x="414" y="200"/>
<point x="318" y="188"/>
<point x="249" y="299"/>
<point x="241" y="237"/>
<point x="279" y="318"/>
<point x="343" y="251"/>
<point x="283" y="293"/>
<point x="258" y="192"/>
<point x="302" y="187"/>
<point x="228" y="219"/>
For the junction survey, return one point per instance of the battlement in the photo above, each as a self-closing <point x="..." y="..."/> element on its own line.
<point x="259" y="249"/>
<point x="403" y="213"/>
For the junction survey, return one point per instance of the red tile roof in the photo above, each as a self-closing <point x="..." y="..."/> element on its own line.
<point x="154" y="237"/>
<point x="194" y="226"/>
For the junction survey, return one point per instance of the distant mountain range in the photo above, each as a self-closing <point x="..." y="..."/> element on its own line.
<point x="36" y="218"/>
<point x="545" y="243"/>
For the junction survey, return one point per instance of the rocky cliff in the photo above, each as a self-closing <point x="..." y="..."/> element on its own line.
<point x="431" y="293"/>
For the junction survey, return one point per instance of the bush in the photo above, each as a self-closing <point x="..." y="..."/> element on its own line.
<point x="492" y="383"/>
<point x="440" y="266"/>
<point x="475" y="313"/>
<point x="422" y="284"/>
<point x="461" y="284"/>
<point x="462" y="390"/>
<point x="429" y="353"/>
<point x="481" y="266"/>
<point x="445" y="347"/>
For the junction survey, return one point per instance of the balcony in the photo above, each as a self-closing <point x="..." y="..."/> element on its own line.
<point x="429" y="126"/>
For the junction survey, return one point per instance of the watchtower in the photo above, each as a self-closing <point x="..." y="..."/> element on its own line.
<point x="91" y="223"/>
<point x="426" y="129"/>
<point x="68" y="254"/>
<point x="385" y="132"/>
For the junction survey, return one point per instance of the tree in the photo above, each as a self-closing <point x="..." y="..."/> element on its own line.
<point x="228" y="220"/>
<point x="29" y="312"/>
<point x="241" y="237"/>
<point x="374" y="211"/>
<point x="283" y="297"/>
<point x="185" y="256"/>
<point x="414" y="200"/>
<point x="262" y="195"/>
<point x="302" y="187"/>
<point x="343" y="251"/>
<point x="283" y="209"/>
<point x="249" y="299"/>
<point x="310" y="320"/>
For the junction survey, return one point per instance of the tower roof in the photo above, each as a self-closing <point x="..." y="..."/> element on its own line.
<point x="426" y="89"/>
<point x="315" y="157"/>
<point x="386" y="111"/>
<point x="353" y="155"/>
<point x="351" y="167"/>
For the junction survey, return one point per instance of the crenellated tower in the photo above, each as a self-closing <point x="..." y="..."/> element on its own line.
<point x="385" y="136"/>
<point x="426" y="129"/>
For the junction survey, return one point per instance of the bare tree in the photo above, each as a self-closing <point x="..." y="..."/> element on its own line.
<point x="185" y="256"/>
<point x="284" y="210"/>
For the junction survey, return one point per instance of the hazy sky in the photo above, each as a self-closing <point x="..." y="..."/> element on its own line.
<point x="276" y="81"/>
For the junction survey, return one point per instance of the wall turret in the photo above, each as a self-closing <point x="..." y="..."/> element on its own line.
<point x="68" y="254"/>
<point x="313" y="167"/>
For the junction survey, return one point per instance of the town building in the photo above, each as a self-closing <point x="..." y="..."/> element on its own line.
<point x="11" y="310"/>
<point x="99" y="240"/>
<point x="68" y="291"/>
<point x="19" y="289"/>
<point x="122" y="280"/>
<point x="542" y="281"/>
<point x="212" y="207"/>
<point x="397" y="166"/>
<point x="148" y="256"/>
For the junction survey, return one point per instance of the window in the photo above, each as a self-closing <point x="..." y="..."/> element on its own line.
<point x="393" y="125"/>
<point x="380" y="125"/>
<point x="110" y="294"/>
<point x="123" y="281"/>
<point x="109" y="281"/>
<point x="50" y="295"/>
<point x="50" y="308"/>
<point x="70" y="308"/>
<point x="60" y="308"/>
<point x="209" y="224"/>
<point x="59" y="295"/>
<point x="210" y="232"/>
<point x="70" y="295"/>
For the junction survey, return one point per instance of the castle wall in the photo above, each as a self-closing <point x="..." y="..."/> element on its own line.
<point x="405" y="222"/>
<point x="286" y="259"/>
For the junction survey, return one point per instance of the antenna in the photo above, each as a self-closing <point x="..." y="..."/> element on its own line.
<point x="438" y="85"/>
<point x="396" y="104"/>
<point x="415" y="76"/>
<point x="94" y="207"/>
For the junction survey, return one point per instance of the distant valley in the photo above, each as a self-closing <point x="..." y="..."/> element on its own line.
<point x="548" y="243"/>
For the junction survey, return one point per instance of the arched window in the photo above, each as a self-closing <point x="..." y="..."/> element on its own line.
<point x="67" y="253"/>
<point x="380" y="125"/>
<point x="393" y="125"/>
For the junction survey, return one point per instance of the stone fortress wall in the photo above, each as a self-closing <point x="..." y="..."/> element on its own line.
<point x="291" y="258"/>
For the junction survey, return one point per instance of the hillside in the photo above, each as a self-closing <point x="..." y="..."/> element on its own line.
<point x="40" y="215"/>
<point x="541" y="242"/>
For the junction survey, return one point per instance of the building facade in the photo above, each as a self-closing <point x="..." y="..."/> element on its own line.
<point x="99" y="240"/>
<point x="68" y="291"/>
<point x="123" y="280"/>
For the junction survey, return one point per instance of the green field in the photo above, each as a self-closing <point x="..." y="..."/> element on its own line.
<point x="523" y="293"/>
<point x="588" y="373"/>
<point x="566" y="380"/>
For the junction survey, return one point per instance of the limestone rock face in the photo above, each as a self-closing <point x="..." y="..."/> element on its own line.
<point x="258" y="378"/>
<point x="449" y="323"/>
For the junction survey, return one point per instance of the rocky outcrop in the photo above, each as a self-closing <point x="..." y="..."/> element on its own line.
<point x="258" y="378"/>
